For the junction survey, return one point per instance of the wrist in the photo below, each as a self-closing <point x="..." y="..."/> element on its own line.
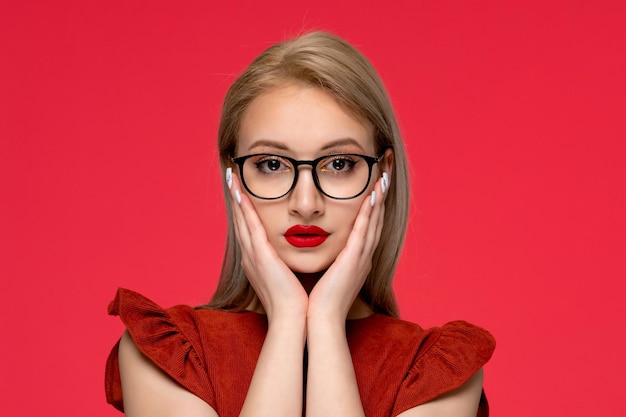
<point x="327" y="321"/>
<point x="286" y="308"/>
<point x="285" y="327"/>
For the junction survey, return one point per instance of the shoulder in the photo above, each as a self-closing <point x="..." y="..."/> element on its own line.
<point x="162" y="345"/>
<point x="437" y="363"/>
<point x="159" y="333"/>
<point x="148" y="391"/>
<point x="447" y="372"/>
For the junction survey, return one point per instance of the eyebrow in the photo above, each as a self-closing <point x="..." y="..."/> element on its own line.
<point x="268" y="143"/>
<point x="342" y="142"/>
<point x="282" y="146"/>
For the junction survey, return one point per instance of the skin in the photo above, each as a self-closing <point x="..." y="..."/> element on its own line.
<point x="306" y="293"/>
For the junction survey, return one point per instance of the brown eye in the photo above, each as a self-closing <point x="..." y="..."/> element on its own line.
<point x="272" y="164"/>
<point x="338" y="164"/>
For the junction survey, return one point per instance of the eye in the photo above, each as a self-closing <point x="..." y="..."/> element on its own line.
<point x="338" y="164"/>
<point x="272" y="164"/>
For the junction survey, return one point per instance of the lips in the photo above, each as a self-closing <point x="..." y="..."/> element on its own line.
<point x="302" y="236"/>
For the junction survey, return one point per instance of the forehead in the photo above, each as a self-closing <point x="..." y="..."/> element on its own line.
<point x="303" y="122"/>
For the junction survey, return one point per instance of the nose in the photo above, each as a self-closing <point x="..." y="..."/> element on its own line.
<point x="305" y="200"/>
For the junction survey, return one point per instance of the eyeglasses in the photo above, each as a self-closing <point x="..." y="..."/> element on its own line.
<point x="338" y="176"/>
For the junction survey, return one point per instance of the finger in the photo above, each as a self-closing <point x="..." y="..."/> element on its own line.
<point x="241" y="228"/>
<point x="375" y="220"/>
<point x="252" y="221"/>
<point x="379" y="228"/>
<point x="358" y="235"/>
<point x="256" y="237"/>
<point x="381" y="218"/>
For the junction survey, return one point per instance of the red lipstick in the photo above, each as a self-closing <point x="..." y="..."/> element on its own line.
<point x="302" y="236"/>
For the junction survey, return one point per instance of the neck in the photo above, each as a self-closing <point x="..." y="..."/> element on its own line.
<point x="308" y="280"/>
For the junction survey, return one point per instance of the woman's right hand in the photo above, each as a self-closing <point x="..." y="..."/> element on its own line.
<point x="278" y="289"/>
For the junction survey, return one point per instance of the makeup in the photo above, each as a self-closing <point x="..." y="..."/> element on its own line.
<point x="302" y="236"/>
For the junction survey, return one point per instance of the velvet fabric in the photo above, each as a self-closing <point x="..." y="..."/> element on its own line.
<point x="212" y="353"/>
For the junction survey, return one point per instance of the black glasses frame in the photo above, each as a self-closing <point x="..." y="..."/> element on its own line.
<point x="371" y="161"/>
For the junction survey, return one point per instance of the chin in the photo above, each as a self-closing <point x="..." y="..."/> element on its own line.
<point x="303" y="264"/>
<point x="308" y="260"/>
<point x="308" y="269"/>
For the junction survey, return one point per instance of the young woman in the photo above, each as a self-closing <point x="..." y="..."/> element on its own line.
<point x="303" y="320"/>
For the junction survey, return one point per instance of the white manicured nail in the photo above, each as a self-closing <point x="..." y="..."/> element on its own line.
<point x="383" y="184"/>
<point x="237" y="196"/>
<point x="229" y="177"/>
<point x="373" y="199"/>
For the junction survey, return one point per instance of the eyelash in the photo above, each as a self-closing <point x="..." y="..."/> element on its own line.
<point x="344" y="158"/>
<point x="259" y="164"/>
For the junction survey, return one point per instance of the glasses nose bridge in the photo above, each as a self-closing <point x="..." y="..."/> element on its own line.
<point x="313" y="164"/>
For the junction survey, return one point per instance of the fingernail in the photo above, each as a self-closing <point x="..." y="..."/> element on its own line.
<point x="237" y="196"/>
<point x="229" y="177"/>
<point x="385" y="182"/>
<point x="373" y="199"/>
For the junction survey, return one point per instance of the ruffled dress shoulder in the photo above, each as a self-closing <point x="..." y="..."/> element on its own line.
<point x="195" y="347"/>
<point x="404" y="366"/>
<point x="213" y="355"/>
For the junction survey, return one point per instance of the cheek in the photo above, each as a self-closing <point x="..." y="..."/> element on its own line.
<point x="347" y="213"/>
<point x="268" y="214"/>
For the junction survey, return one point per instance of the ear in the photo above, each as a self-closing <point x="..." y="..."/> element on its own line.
<point x="233" y="166"/>
<point x="387" y="162"/>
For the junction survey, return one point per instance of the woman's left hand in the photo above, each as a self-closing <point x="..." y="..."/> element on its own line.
<point x="333" y="295"/>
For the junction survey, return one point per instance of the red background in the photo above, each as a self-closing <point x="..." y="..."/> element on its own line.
<point x="513" y="116"/>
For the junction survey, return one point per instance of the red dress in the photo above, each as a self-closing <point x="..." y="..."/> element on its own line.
<point x="213" y="353"/>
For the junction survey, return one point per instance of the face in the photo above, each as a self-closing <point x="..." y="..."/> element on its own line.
<point x="306" y="123"/>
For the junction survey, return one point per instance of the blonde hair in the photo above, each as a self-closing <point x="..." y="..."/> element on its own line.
<point x="330" y="63"/>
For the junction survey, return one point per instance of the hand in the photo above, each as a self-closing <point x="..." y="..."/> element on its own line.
<point x="333" y="295"/>
<point x="277" y="288"/>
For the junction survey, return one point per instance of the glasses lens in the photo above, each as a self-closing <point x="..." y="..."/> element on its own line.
<point x="268" y="176"/>
<point x="343" y="176"/>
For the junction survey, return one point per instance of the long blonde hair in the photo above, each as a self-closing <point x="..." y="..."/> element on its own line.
<point x="330" y="63"/>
